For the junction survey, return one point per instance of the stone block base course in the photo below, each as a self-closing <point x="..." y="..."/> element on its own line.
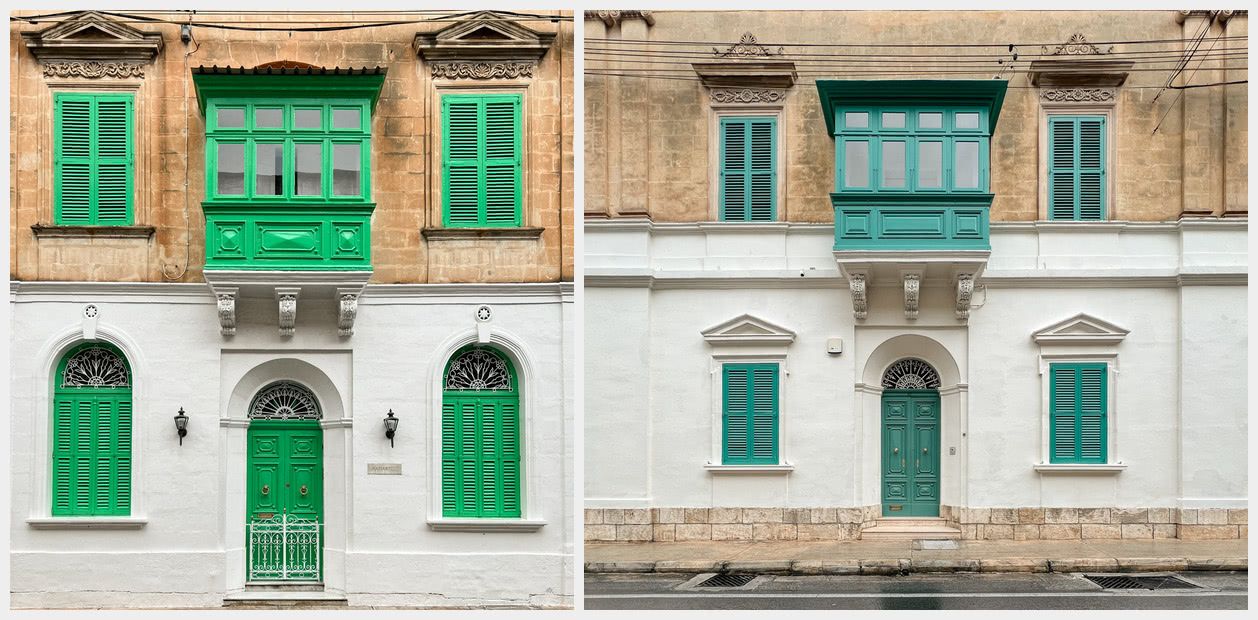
<point x="835" y="523"/>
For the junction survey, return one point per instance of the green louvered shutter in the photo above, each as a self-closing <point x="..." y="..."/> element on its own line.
<point x="1076" y="168"/>
<point x="93" y="159"/>
<point x="509" y="458"/>
<point x="750" y="414"/>
<point x="468" y="485"/>
<point x="1078" y="413"/>
<point x="748" y="169"/>
<point x="449" y="459"/>
<point x="63" y="453"/>
<point x="482" y="160"/>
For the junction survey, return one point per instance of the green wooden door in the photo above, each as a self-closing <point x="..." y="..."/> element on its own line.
<point x="285" y="500"/>
<point x="910" y="453"/>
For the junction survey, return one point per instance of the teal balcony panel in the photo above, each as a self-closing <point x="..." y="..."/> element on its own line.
<point x="899" y="223"/>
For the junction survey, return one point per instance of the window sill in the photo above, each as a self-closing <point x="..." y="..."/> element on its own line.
<point x="447" y="234"/>
<point x="779" y="470"/>
<point x="87" y="523"/>
<point x="485" y="525"/>
<point x="90" y="232"/>
<point x="1106" y="468"/>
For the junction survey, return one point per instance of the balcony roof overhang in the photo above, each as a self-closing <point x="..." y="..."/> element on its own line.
<point x="288" y="81"/>
<point x="985" y="93"/>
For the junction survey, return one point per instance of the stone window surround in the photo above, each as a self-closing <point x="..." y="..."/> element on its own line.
<point x="717" y="111"/>
<point x="433" y="230"/>
<point x="1108" y="109"/>
<point x="759" y="355"/>
<point x="1113" y="464"/>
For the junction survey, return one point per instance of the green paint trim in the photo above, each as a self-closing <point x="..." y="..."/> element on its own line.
<point x="75" y="445"/>
<point x="211" y="86"/>
<point x="483" y="187"/>
<point x="948" y="135"/>
<point x="98" y="172"/>
<point x="736" y="419"/>
<point x="503" y="496"/>
<point x="911" y="222"/>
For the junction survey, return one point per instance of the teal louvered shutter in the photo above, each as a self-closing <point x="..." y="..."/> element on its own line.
<point x="748" y="175"/>
<point x="1076" y="170"/>
<point x="93" y="159"/>
<point x="1078" y="413"/>
<point x="482" y="160"/>
<point x="750" y="414"/>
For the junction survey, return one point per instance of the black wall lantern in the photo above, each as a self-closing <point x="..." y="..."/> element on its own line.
<point x="181" y="424"/>
<point x="390" y="427"/>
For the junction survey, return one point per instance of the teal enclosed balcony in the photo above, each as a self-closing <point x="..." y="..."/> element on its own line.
<point x="883" y="222"/>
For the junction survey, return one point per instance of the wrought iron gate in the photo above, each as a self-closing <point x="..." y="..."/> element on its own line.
<point x="285" y="548"/>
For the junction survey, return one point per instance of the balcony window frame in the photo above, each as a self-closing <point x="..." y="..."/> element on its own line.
<point x="912" y="135"/>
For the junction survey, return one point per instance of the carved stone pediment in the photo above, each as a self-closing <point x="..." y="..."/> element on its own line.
<point x="1077" y="63"/>
<point x="1081" y="329"/>
<point x="748" y="329"/>
<point x="93" y="45"/>
<point x="484" y="45"/>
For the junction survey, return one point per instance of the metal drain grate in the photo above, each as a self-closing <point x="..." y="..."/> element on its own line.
<point x="726" y="581"/>
<point x="1141" y="582"/>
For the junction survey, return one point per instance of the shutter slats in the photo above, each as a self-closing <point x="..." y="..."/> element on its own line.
<point x="94" y="160"/>
<point x="750" y="412"/>
<point x="480" y="456"/>
<point x="1078" y="413"/>
<point x="482" y="160"/>
<point x="91" y="450"/>
<point x="748" y="169"/>
<point x="449" y="459"/>
<point x="63" y="456"/>
<point x="1076" y="168"/>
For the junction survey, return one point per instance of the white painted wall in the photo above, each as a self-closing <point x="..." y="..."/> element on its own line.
<point x="1180" y="387"/>
<point x="380" y="549"/>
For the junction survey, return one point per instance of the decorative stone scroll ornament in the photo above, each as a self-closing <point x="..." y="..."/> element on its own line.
<point x="912" y="290"/>
<point x="287" y="300"/>
<point x="910" y="374"/>
<point x="93" y="69"/>
<point x="96" y="367"/>
<point x="478" y="370"/>
<point x="482" y="70"/>
<point x="747" y="47"/>
<point x="613" y="18"/>
<point x="1077" y="46"/>
<point x="284" y="401"/>
<point x="1104" y="95"/>
<point x="748" y="95"/>
<point x="346" y="313"/>
<point x="965" y="292"/>
<point x="860" y="303"/>
<point x="227" y="313"/>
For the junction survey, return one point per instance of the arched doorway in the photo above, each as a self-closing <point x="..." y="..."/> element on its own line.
<point x="91" y="433"/>
<point x="284" y="487"/>
<point x="910" y="439"/>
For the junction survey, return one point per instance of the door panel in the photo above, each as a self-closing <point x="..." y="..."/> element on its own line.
<point x="284" y="475"/>
<point x="910" y="454"/>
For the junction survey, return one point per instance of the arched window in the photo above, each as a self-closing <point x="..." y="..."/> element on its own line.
<point x="284" y="400"/>
<point x="910" y="374"/>
<point x="480" y="436"/>
<point x="91" y="433"/>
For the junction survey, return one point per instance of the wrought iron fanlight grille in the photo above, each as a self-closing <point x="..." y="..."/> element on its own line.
<point x="910" y="374"/>
<point x="285" y="401"/>
<point x="478" y="370"/>
<point x="96" y="367"/>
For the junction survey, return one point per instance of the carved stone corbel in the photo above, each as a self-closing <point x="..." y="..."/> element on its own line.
<point x="965" y="292"/>
<point x="912" y="290"/>
<point x="347" y="312"/>
<point x="287" y="300"/>
<point x="226" y="311"/>
<point x="860" y="303"/>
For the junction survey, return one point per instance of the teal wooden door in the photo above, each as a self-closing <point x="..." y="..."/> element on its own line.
<point x="910" y="453"/>
<point x="285" y="500"/>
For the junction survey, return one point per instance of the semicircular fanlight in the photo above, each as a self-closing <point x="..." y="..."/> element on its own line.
<point x="95" y="367"/>
<point x="478" y="370"/>
<point x="285" y="401"/>
<point x="910" y="374"/>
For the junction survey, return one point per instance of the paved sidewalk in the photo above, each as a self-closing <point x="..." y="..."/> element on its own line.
<point x="895" y="557"/>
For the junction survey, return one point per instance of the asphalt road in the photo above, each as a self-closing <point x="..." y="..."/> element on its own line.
<point x="1222" y="590"/>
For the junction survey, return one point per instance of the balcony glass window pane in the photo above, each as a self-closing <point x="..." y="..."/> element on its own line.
<point x="309" y="168"/>
<point x="230" y="118"/>
<point x="269" y="170"/>
<point x="346" y="118"/>
<point x="967" y="120"/>
<point x="231" y="168"/>
<point x="856" y="120"/>
<point x="268" y="118"/>
<point x="856" y="164"/>
<point x="930" y="165"/>
<point x="893" y="120"/>
<point x="308" y="119"/>
<point x="346" y="169"/>
<point x="930" y="120"/>
<point x="893" y="164"/>
<point x="966" y="165"/>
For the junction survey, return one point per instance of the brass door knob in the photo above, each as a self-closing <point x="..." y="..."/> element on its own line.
<point x="895" y="451"/>
<point x="924" y="450"/>
<point x="266" y="489"/>
<point x="302" y="489"/>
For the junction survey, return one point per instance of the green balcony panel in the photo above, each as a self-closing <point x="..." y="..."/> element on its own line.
<point x="866" y="222"/>
<point x="311" y="238"/>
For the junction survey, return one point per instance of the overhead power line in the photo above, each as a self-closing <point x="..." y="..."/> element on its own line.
<point x="324" y="25"/>
<point x="678" y="78"/>
<point x="1004" y="45"/>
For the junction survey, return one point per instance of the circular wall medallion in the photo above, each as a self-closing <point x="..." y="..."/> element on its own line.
<point x="484" y="313"/>
<point x="90" y="311"/>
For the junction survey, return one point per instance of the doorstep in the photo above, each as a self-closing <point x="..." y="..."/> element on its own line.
<point x="280" y="592"/>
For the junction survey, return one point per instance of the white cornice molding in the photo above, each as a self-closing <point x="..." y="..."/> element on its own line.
<point x="1081" y="328"/>
<point x="378" y="294"/>
<point x="629" y="224"/>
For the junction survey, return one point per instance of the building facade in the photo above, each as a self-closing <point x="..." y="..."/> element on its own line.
<point x="291" y="309"/>
<point x="977" y="275"/>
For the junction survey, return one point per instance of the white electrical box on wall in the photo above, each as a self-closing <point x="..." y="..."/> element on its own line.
<point x="834" y="346"/>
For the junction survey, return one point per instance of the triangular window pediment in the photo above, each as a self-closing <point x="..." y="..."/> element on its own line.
<point x="484" y="36"/>
<point x="1081" y="329"/>
<point x="92" y="36"/>
<point x="748" y="329"/>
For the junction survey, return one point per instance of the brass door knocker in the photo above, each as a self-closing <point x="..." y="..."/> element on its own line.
<point x="266" y="489"/>
<point x="302" y="490"/>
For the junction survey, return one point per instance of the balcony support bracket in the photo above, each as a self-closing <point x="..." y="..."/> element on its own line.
<point x="965" y="292"/>
<point x="227" y="310"/>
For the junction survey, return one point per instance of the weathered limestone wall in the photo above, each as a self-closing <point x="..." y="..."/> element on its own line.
<point x="647" y="141"/>
<point x="170" y="180"/>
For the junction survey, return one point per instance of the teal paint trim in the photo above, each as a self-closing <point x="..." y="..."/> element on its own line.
<point x="911" y="135"/>
<point x="734" y="417"/>
<point x="1073" y="418"/>
<point x="1076" y="170"/>
<point x="911" y="221"/>
<point x="745" y="211"/>
<point x="987" y="94"/>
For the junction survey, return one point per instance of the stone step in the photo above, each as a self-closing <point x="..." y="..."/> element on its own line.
<point x="910" y="528"/>
<point x="285" y="596"/>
